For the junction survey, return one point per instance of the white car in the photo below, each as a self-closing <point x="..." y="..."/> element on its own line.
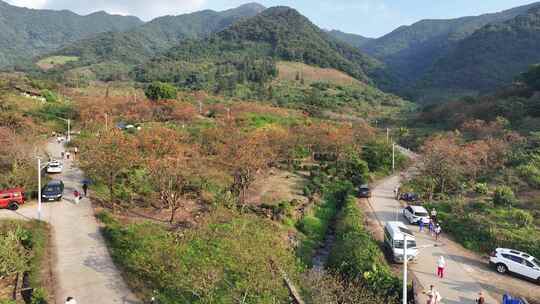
<point x="54" y="167"/>
<point x="509" y="260"/>
<point x="415" y="214"/>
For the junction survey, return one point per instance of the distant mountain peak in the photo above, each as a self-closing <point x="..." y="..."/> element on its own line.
<point x="253" y="6"/>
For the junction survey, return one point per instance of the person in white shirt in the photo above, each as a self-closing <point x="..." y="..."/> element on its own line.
<point x="70" y="300"/>
<point x="441" y="265"/>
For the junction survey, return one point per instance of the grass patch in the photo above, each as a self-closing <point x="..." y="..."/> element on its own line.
<point x="54" y="61"/>
<point x="227" y="259"/>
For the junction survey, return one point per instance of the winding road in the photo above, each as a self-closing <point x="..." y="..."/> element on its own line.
<point x="83" y="268"/>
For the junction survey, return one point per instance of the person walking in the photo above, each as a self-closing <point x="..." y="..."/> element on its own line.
<point x="431" y="226"/>
<point x="438" y="231"/>
<point x="70" y="300"/>
<point x="420" y="225"/>
<point x="434" y="215"/>
<point x="431" y="294"/>
<point x="77" y="196"/>
<point x="85" y="189"/>
<point x="441" y="265"/>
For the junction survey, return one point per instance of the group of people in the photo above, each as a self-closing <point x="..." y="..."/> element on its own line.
<point x="434" y="297"/>
<point x="78" y="195"/>
<point x="434" y="226"/>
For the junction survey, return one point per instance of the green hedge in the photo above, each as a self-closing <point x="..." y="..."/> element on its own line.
<point x="356" y="254"/>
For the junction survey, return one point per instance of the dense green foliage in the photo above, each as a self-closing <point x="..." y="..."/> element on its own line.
<point x="489" y="58"/>
<point x="141" y="43"/>
<point x="206" y="264"/>
<point x="159" y="90"/>
<point x="503" y="196"/>
<point x="245" y="52"/>
<point x="25" y="33"/>
<point x="532" y="77"/>
<point x="23" y="247"/>
<point x="357" y="255"/>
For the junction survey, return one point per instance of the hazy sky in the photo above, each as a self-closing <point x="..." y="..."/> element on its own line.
<point x="366" y="17"/>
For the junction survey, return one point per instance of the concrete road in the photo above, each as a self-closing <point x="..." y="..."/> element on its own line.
<point x="458" y="286"/>
<point x="83" y="267"/>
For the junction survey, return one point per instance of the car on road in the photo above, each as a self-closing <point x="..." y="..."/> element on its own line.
<point x="12" y="198"/>
<point x="54" y="166"/>
<point x="53" y="191"/>
<point x="520" y="263"/>
<point x="364" y="191"/>
<point x="408" y="197"/>
<point x="394" y="239"/>
<point x="415" y="214"/>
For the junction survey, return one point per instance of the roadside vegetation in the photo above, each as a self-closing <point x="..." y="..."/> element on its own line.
<point x="25" y="261"/>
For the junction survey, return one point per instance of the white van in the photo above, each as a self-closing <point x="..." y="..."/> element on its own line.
<point x="394" y="235"/>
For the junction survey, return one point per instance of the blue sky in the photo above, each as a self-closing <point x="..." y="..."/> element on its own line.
<point x="370" y="18"/>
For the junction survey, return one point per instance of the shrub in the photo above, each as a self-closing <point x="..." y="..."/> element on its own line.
<point x="521" y="218"/>
<point x="356" y="255"/>
<point x="481" y="188"/>
<point x="160" y="90"/>
<point x="49" y="96"/>
<point x="39" y="296"/>
<point x="504" y="196"/>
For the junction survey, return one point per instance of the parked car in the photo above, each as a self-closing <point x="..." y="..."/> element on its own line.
<point x="364" y="191"/>
<point x="394" y="240"/>
<point x="54" y="167"/>
<point x="415" y="214"/>
<point x="53" y="191"/>
<point x="12" y="198"/>
<point x="508" y="260"/>
<point x="408" y="197"/>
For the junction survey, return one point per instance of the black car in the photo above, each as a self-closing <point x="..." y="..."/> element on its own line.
<point x="364" y="191"/>
<point x="53" y="191"/>
<point x="408" y="197"/>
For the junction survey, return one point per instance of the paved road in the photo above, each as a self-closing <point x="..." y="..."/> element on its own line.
<point x="83" y="267"/>
<point x="458" y="287"/>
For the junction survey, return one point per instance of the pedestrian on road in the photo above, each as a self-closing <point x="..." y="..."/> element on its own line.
<point x="85" y="189"/>
<point x="431" y="226"/>
<point x="434" y="215"/>
<point x="438" y="231"/>
<point x="77" y="196"/>
<point x="420" y="225"/>
<point x="441" y="265"/>
<point x="62" y="154"/>
<point x="67" y="155"/>
<point x="70" y="300"/>
<point x="480" y="299"/>
<point x="431" y="294"/>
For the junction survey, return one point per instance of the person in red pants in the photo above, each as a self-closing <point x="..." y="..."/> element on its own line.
<point x="441" y="265"/>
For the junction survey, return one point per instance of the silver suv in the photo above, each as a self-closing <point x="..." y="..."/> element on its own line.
<point x="509" y="260"/>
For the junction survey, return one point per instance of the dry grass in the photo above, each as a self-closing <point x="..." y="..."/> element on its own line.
<point x="276" y="186"/>
<point x="310" y="74"/>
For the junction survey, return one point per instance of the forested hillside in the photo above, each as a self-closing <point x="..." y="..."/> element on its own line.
<point x="141" y="43"/>
<point x="490" y="58"/>
<point x="25" y="33"/>
<point x="411" y="51"/>
<point x="352" y="39"/>
<point x="251" y="46"/>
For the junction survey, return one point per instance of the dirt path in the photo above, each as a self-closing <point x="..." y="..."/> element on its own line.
<point x="466" y="273"/>
<point x="83" y="267"/>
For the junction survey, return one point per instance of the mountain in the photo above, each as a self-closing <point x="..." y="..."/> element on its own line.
<point x="141" y="43"/>
<point x="25" y="33"/>
<point x="411" y="51"/>
<point x="352" y="39"/>
<point x="490" y="58"/>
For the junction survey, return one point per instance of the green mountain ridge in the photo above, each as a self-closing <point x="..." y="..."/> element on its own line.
<point x="490" y="58"/>
<point x="276" y="33"/>
<point x="352" y="39"/>
<point x="26" y="33"/>
<point x="409" y="52"/>
<point x="141" y="43"/>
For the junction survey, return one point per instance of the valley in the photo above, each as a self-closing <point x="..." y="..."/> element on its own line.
<point x="224" y="157"/>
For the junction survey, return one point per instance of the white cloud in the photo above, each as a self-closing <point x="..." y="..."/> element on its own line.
<point x="141" y="8"/>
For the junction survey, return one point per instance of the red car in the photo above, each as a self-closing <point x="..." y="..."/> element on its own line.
<point x="12" y="198"/>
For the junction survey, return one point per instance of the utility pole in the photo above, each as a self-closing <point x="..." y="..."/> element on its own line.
<point x="393" y="156"/>
<point x="405" y="260"/>
<point x="228" y="113"/>
<point x="39" y="187"/>
<point x="106" y="122"/>
<point x="69" y="130"/>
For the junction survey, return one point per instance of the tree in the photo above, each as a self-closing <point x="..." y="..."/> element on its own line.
<point x="171" y="178"/>
<point x="532" y="77"/>
<point x="108" y="156"/>
<point x="160" y="90"/>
